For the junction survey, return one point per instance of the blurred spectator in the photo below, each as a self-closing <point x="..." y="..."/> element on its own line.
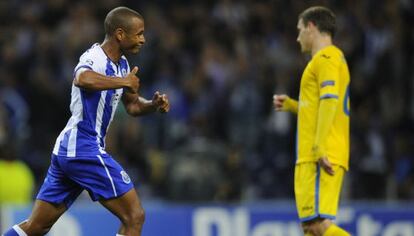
<point x="3" y="127"/>
<point x="16" y="178"/>
<point x="204" y="170"/>
<point x="16" y="111"/>
<point x="404" y="165"/>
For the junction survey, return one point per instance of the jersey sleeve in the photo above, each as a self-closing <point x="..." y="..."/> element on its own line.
<point x="328" y="76"/>
<point x="87" y="61"/>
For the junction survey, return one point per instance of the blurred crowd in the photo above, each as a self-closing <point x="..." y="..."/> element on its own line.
<point x="220" y="62"/>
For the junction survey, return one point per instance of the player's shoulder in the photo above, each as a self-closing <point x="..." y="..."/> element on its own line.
<point x="93" y="55"/>
<point x="329" y="54"/>
<point x="95" y="51"/>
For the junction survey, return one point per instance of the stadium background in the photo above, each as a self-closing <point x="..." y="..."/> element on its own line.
<point x="219" y="61"/>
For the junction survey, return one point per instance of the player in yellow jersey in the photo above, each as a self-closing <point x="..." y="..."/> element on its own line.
<point x="322" y="126"/>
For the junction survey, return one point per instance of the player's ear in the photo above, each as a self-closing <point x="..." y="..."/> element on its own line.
<point x="311" y="25"/>
<point x="119" y="34"/>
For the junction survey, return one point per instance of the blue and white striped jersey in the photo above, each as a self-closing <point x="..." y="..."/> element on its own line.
<point x="92" y="111"/>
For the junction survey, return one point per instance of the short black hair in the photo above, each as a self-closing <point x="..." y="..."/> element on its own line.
<point x="322" y="17"/>
<point x="119" y="18"/>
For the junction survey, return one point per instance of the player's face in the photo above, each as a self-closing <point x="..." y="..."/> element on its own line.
<point x="133" y="38"/>
<point x="304" y="37"/>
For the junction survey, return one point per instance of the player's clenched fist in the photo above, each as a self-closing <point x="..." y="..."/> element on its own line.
<point x="278" y="101"/>
<point x="285" y="103"/>
<point x="161" y="102"/>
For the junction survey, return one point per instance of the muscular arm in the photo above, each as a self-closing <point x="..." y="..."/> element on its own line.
<point x="136" y="105"/>
<point x="90" y="80"/>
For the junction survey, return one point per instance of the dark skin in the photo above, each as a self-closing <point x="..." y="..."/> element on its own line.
<point x="128" y="206"/>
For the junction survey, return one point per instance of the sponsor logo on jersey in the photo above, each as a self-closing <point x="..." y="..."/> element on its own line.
<point x="89" y="62"/>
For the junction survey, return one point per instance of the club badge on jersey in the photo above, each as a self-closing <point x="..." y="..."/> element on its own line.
<point x="125" y="177"/>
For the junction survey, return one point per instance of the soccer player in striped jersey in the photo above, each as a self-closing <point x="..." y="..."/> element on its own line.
<point x="79" y="160"/>
<point x="322" y="125"/>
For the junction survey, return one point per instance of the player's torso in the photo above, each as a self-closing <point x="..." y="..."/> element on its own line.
<point x="337" y="144"/>
<point x="92" y="111"/>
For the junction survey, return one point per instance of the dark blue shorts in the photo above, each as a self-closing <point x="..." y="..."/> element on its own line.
<point x="67" y="177"/>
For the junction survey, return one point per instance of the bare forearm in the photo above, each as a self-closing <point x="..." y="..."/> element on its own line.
<point x="139" y="106"/>
<point x="145" y="106"/>
<point x="91" y="80"/>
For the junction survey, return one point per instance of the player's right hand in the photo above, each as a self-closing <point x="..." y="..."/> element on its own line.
<point x="278" y="101"/>
<point x="132" y="81"/>
<point x="326" y="165"/>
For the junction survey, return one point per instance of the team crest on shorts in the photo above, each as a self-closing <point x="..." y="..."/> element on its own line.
<point x="125" y="177"/>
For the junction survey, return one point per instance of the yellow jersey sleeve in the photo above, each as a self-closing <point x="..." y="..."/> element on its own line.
<point x="327" y="69"/>
<point x="290" y="105"/>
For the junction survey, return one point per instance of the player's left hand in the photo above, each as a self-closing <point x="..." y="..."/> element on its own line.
<point x="161" y="102"/>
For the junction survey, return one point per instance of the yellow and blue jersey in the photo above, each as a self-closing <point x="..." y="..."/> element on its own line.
<point x="326" y="77"/>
